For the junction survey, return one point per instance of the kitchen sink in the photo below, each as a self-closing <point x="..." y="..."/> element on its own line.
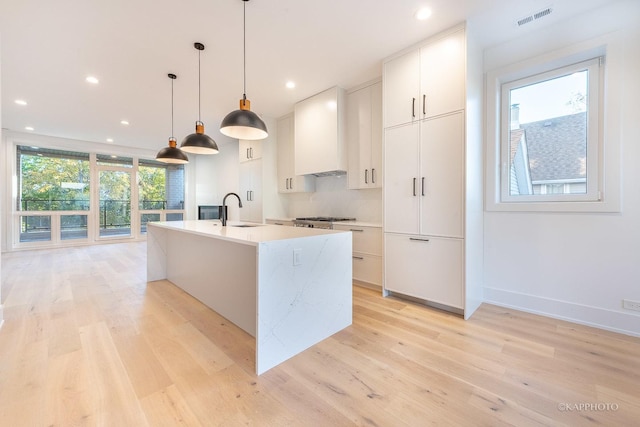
<point x="246" y="225"/>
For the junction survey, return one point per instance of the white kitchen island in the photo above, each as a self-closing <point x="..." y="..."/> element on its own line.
<point x="288" y="287"/>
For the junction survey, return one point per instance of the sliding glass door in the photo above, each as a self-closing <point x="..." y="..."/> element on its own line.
<point x="115" y="203"/>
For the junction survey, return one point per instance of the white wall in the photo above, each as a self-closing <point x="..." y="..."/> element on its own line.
<point x="567" y="265"/>
<point x="332" y="198"/>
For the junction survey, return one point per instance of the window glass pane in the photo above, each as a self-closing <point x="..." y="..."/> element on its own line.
<point x="161" y="186"/>
<point x="73" y="227"/>
<point x="548" y="136"/>
<point x="112" y="160"/>
<point x="52" y="179"/>
<point x="115" y="203"/>
<point x="152" y="191"/>
<point x="174" y="217"/>
<point x="35" y="228"/>
<point x="145" y="218"/>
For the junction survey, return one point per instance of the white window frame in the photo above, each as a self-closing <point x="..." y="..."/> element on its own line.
<point x="594" y="88"/>
<point x="608" y="144"/>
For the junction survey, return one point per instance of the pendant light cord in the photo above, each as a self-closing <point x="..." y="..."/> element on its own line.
<point x="199" y="119"/>
<point x="244" y="50"/>
<point x="171" y="107"/>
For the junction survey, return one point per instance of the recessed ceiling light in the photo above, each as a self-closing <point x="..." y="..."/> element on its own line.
<point x="92" y="80"/>
<point x="423" y="14"/>
<point x="109" y="139"/>
<point x="124" y="122"/>
<point x="20" y="102"/>
<point x="113" y="156"/>
<point x="290" y="85"/>
<point x="28" y="128"/>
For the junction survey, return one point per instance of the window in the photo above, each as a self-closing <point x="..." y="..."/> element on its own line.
<point x="550" y="145"/>
<point x="52" y="180"/>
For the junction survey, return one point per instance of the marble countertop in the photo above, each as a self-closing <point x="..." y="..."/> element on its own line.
<point x="252" y="235"/>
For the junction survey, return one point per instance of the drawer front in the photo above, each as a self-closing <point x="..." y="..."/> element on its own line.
<point x="367" y="268"/>
<point x="430" y="268"/>
<point x="366" y="240"/>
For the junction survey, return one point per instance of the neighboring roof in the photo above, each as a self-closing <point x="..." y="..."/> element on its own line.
<point x="557" y="147"/>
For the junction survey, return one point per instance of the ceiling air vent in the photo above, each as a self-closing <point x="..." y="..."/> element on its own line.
<point x="534" y="16"/>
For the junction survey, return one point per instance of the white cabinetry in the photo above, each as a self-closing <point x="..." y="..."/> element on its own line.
<point x="320" y="134"/>
<point x="427" y="267"/>
<point x="425" y="82"/>
<point x="425" y="177"/>
<point x="251" y="190"/>
<point x="425" y="184"/>
<point x="249" y="150"/>
<point x="367" y="253"/>
<point x="288" y="181"/>
<point x="364" y="137"/>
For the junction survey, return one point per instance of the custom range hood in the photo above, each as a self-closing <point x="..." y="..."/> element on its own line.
<point x="320" y="140"/>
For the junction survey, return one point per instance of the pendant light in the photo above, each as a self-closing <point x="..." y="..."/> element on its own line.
<point x="172" y="154"/>
<point x="244" y="123"/>
<point x="199" y="142"/>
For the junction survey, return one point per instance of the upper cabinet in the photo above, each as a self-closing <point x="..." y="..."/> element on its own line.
<point x="364" y="136"/>
<point x="288" y="181"/>
<point x="425" y="82"/>
<point x="320" y="147"/>
<point x="249" y="150"/>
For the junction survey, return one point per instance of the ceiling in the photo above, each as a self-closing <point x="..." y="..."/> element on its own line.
<point x="49" y="48"/>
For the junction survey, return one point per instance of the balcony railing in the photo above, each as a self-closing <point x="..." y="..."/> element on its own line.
<point x="114" y="218"/>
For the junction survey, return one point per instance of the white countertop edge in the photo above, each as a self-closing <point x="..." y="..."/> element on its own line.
<point x="245" y="235"/>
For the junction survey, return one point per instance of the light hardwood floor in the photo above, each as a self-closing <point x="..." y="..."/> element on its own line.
<point x="87" y="341"/>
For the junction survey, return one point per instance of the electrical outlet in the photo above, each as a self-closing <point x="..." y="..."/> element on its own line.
<point x="297" y="257"/>
<point x="631" y="305"/>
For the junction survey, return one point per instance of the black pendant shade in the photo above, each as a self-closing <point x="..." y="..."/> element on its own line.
<point x="199" y="142"/>
<point x="243" y="123"/>
<point x="172" y="154"/>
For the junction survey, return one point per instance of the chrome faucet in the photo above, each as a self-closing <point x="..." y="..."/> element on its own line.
<point x="224" y="207"/>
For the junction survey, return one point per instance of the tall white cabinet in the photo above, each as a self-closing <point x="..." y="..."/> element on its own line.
<point x="288" y="181"/>
<point x="364" y="136"/>
<point x="425" y="191"/>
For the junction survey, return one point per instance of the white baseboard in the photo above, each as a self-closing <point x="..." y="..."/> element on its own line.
<point x="610" y="320"/>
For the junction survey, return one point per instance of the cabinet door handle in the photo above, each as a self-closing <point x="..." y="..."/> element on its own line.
<point x="414" y="187"/>
<point x="423" y="185"/>
<point x="373" y="176"/>
<point x="290" y="183"/>
<point x="251" y="152"/>
<point x="415" y="239"/>
<point x="424" y="105"/>
<point x="278" y="223"/>
<point x="358" y="257"/>
<point x="247" y="153"/>
<point x="366" y="176"/>
<point x="286" y="183"/>
<point x="355" y="229"/>
<point x="413" y="108"/>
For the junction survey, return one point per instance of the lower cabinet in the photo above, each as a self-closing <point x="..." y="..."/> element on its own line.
<point x="367" y="253"/>
<point x="425" y="267"/>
